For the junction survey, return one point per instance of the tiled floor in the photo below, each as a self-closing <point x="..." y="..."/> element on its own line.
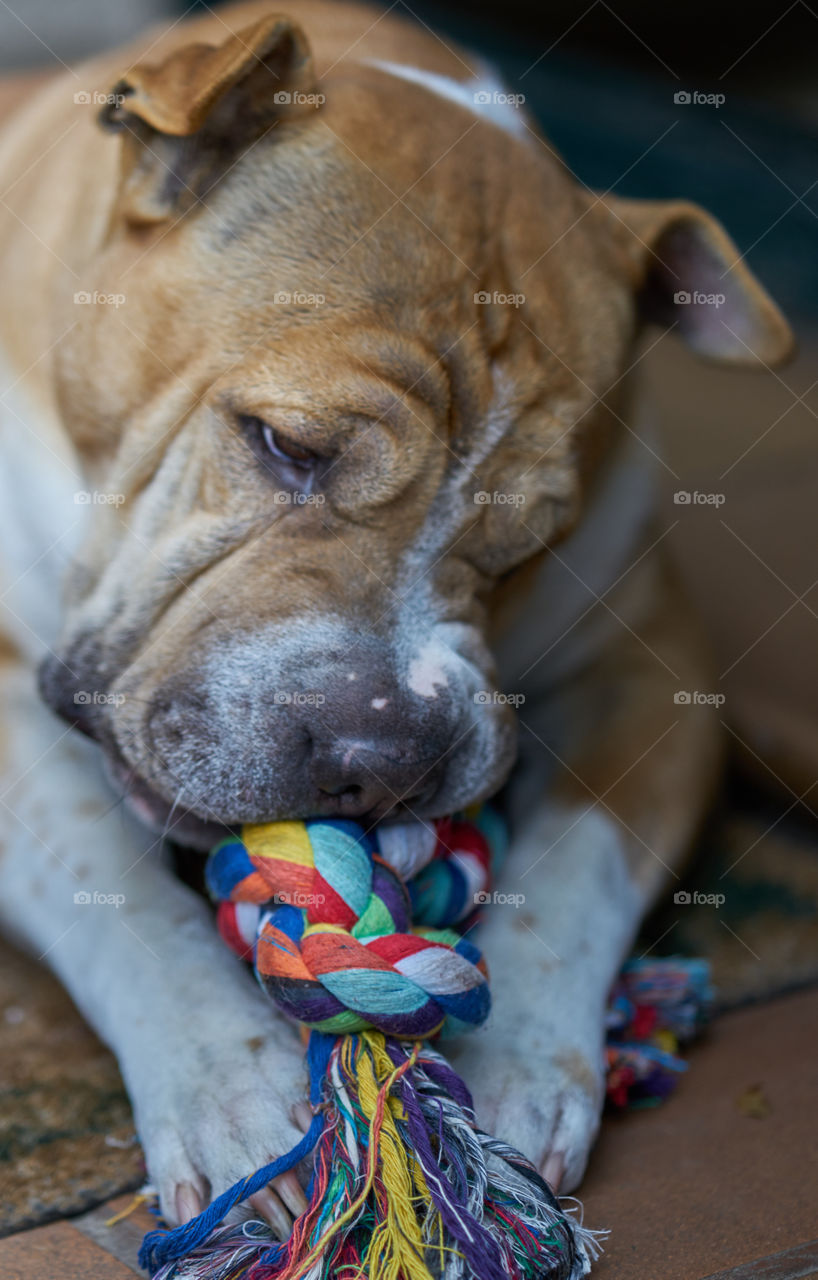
<point x="699" y="1186"/>
<point x="720" y="1182"/>
<point x="59" y="1250"/>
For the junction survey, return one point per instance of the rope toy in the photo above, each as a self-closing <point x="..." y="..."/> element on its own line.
<point x="656" y="1006"/>
<point x="352" y="935"/>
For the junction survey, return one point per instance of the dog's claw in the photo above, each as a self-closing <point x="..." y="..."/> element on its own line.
<point x="289" y="1189"/>
<point x="188" y="1204"/>
<point x="268" y="1206"/>
<point x="553" y="1170"/>
<point x="302" y="1115"/>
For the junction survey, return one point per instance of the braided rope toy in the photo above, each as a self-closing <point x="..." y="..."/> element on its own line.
<point x="352" y="936"/>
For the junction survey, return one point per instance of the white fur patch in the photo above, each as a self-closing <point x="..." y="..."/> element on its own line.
<point x="43" y="510"/>
<point x="485" y="96"/>
<point x="427" y="671"/>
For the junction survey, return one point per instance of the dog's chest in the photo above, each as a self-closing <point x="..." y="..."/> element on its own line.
<point x="43" y="508"/>
<point x="564" y="622"/>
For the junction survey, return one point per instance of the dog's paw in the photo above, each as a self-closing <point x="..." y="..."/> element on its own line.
<point x="547" y="1104"/>
<point x="217" y="1105"/>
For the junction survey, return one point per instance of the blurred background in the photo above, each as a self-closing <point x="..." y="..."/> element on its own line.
<point x="602" y="78"/>
<point x="614" y="86"/>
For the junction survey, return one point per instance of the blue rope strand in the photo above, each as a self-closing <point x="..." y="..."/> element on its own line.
<point x="160" y="1247"/>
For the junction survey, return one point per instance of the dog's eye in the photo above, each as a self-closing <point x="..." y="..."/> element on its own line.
<point x="287" y="450"/>
<point x="271" y="444"/>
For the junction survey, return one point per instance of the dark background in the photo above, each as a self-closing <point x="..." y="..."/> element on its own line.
<point x="602" y="78"/>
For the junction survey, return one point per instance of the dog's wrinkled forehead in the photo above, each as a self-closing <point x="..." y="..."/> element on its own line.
<point x="360" y="330"/>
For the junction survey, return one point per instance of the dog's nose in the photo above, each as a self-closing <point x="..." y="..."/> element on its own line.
<point x="373" y="744"/>
<point x="355" y="778"/>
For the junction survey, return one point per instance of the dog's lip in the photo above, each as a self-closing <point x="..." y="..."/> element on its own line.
<point x="186" y="827"/>
<point x="182" y="826"/>
<point x="167" y="820"/>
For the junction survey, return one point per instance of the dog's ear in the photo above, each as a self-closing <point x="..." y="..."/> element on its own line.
<point x="689" y="275"/>
<point x="185" y="120"/>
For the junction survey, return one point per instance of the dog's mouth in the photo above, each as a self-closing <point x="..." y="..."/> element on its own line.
<point x="174" y="821"/>
<point x="170" y="821"/>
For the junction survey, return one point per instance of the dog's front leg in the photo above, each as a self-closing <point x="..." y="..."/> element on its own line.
<point x="212" y="1072"/>
<point x="628" y="784"/>
<point x="562" y="918"/>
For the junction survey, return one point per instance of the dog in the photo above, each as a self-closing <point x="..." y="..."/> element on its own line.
<point x="322" y="494"/>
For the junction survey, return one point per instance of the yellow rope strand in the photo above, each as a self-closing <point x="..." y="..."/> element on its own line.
<point x="401" y="1259"/>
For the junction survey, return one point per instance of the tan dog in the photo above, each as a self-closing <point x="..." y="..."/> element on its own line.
<point x="310" y="354"/>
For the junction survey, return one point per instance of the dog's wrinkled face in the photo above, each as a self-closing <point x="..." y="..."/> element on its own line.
<point x="345" y="396"/>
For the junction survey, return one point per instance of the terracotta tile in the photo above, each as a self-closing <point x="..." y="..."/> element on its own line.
<point x="121" y="1238"/>
<point x="58" y="1250"/>
<point x="698" y="1186"/>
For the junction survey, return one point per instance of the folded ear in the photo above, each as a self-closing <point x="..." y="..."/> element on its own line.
<point x="185" y="120"/>
<point x="688" y="274"/>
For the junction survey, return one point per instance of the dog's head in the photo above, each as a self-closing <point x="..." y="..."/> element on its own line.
<point x="370" y="352"/>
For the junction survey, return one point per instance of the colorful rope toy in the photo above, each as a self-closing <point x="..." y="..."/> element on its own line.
<point x="352" y="936"/>
<point x="655" y="1006"/>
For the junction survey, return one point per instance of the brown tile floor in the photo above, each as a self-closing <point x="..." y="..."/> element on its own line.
<point x="696" y="1188"/>
<point x="59" y="1250"/>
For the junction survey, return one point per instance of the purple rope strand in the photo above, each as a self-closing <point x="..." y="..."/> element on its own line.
<point x="480" y="1248"/>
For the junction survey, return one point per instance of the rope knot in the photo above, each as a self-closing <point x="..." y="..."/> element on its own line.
<point x="328" y="925"/>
